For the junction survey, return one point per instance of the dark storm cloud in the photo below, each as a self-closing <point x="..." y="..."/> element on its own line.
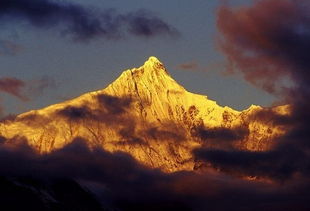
<point x="111" y="110"/>
<point x="10" y="48"/>
<point x="81" y="23"/>
<point x="277" y="164"/>
<point x="130" y="136"/>
<point x="225" y="134"/>
<point x="119" y="182"/>
<point x="144" y="23"/>
<point x="114" y="105"/>
<point x="116" y="112"/>
<point x="268" y="42"/>
<point x="76" y="113"/>
<point x="223" y="138"/>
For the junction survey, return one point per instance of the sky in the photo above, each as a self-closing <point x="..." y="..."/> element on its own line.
<point x="236" y="52"/>
<point x="56" y="60"/>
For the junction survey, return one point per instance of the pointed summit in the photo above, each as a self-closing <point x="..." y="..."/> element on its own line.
<point x="150" y="79"/>
<point x="154" y="65"/>
<point x="150" y="73"/>
<point x="153" y="61"/>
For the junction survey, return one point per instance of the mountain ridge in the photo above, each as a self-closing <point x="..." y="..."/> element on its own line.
<point x="147" y="114"/>
<point x="153" y="64"/>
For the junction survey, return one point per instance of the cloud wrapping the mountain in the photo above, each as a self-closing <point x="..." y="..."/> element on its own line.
<point x="221" y="133"/>
<point x="268" y="42"/>
<point x="111" y="110"/>
<point x="115" y="112"/>
<point x="119" y="182"/>
<point x="114" y="105"/>
<point x="276" y="164"/>
<point x="220" y="137"/>
<point x="83" y="24"/>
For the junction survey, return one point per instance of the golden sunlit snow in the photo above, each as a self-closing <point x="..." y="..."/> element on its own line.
<point x="145" y="113"/>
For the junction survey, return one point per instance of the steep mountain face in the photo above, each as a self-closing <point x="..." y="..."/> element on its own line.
<point x="148" y="115"/>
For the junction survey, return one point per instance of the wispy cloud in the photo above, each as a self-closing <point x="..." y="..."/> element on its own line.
<point x="10" y="48"/>
<point x="193" y="66"/>
<point x="24" y="90"/>
<point x="13" y="86"/>
<point x="83" y="24"/>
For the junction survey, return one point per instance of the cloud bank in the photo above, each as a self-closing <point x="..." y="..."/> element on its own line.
<point x="268" y="43"/>
<point x="83" y="24"/>
<point x="119" y="182"/>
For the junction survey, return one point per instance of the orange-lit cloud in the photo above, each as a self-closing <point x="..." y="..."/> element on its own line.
<point x="267" y="42"/>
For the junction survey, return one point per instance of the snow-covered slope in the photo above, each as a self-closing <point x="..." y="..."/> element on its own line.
<point x="145" y="113"/>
